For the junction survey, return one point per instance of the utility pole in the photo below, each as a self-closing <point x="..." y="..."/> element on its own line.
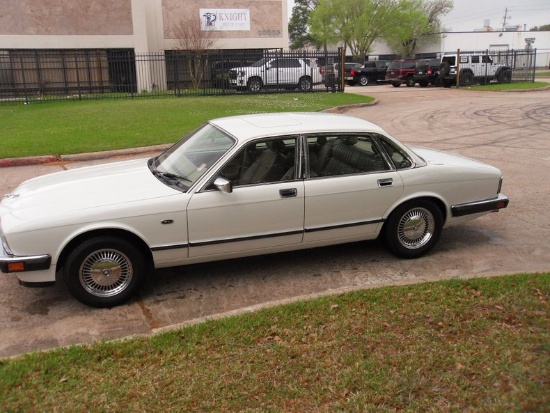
<point x="506" y="17"/>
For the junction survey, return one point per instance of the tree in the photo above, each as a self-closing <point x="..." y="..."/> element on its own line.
<point x="193" y="39"/>
<point x="355" y="23"/>
<point x="543" y="28"/>
<point x="420" y="24"/>
<point x="298" y="27"/>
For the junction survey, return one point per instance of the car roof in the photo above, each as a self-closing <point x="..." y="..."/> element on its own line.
<point x="247" y="127"/>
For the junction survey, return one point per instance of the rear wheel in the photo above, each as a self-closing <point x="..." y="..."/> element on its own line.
<point x="396" y="84"/>
<point x="467" y="79"/>
<point x="413" y="228"/>
<point x="410" y="82"/>
<point x="104" y="271"/>
<point x="423" y="83"/>
<point x="305" y="83"/>
<point x="363" y="80"/>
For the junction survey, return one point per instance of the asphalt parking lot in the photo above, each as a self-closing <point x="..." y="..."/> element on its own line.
<point x="508" y="130"/>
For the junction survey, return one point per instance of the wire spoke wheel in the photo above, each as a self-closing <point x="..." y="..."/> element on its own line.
<point x="106" y="272"/>
<point x="416" y="228"/>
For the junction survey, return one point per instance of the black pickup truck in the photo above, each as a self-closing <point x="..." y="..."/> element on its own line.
<point x="373" y="71"/>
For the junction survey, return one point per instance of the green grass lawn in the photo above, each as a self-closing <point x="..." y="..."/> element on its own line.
<point x="508" y="86"/>
<point x="88" y="126"/>
<point x="479" y="345"/>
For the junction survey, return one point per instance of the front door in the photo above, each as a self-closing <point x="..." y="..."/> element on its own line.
<point x="265" y="210"/>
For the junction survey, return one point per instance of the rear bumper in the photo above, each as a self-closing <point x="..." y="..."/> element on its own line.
<point x="488" y="205"/>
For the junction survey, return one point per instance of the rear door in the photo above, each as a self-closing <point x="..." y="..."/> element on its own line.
<point x="347" y="193"/>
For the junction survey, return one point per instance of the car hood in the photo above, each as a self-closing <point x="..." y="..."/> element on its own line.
<point x="102" y="187"/>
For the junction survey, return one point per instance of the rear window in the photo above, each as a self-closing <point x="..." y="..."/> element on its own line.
<point x="396" y="64"/>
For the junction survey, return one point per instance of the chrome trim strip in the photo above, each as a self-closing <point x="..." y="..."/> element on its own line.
<point x="32" y="262"/>
<point x="339" y="226"/>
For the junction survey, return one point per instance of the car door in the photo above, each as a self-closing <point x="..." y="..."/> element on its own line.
<point x="265" y="209"/>
<point x="350" y="188"/>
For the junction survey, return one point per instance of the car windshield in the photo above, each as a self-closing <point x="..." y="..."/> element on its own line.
<point x="259" y="63"/>
<point x="185" y="162"/>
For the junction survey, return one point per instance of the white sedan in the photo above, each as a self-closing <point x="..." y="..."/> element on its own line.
<point x="237" y="186"/>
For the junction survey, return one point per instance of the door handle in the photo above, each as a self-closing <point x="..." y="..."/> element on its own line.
<point x="288" y="193"/>
<point x="385" y="182"/>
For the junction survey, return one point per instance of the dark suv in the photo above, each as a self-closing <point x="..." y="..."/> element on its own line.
<point x="401" y="71"/>
<point x="427" y="72"/>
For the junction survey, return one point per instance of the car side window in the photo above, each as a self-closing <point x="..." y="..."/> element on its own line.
<point x="475" y="59"/>
<point x="343" y="155"/>
<point x="262" y="161"/>
<point x="399" y="159"/>
<point x="486" y="59"/>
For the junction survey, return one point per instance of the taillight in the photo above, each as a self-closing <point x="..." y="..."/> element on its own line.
<point x="429" y="71"/>
<point x="352" y="72"/>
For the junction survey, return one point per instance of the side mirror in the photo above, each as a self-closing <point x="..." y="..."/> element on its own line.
<point x="223" y="185"/>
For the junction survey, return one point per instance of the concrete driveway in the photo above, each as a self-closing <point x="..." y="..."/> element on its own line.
<point x="508" y="130"/>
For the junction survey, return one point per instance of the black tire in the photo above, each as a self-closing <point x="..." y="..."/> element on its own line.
<point x="410" y="82"/>
<point x="505" y="76"/>
<point x="104" y="271"/>
<point x="423" y="83"/>
<point x="363" y="80"/>
<point x="255" y="84"/>
<point x="413" y="228"/>
<point x="396" y="84"/>
<point x="444" y="68"/>
<point x="305" y="83"/>
<point x="467" y="79"/>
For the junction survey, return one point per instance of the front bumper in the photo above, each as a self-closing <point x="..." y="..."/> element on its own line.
<point x="476" y="207"/>
<point x="10" y="263"/>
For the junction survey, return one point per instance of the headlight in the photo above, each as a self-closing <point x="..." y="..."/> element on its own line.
<point x="4" y="241"/>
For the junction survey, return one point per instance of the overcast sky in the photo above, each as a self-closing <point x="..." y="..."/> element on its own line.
<point x="469" y="15"/>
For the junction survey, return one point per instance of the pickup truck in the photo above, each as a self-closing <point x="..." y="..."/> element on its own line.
<point x="373" y="71"/>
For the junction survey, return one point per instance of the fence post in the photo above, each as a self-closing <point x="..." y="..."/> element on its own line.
<point x="77" y="76"/>
<point x="24" y="79"/>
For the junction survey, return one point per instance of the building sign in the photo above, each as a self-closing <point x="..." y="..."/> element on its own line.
<point x="225" y="19"/>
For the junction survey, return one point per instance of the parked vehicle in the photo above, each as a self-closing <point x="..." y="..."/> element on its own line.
<point x="473" y="68"/>
<point x="373" y="71"/>
<point x="237" y="186"/>
<point x="401" y="71"/>
<point x="427" y="72"/>
<point x="220" y="71"/>
<point x="276" y="72"/>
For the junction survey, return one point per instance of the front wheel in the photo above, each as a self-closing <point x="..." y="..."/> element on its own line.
<point x="413" y="228"/>
<point x="255" y="84"/>
<point x="104" y="271"/>
<point x="410" y="82"/>
<point x="396" y="84"/>
<point x="505" y="76"/>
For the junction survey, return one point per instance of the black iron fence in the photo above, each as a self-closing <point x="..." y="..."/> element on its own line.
<point x="34" y="75"/>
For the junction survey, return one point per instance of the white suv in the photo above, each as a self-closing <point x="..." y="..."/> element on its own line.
<point x="276" y="71"/>
<point x="473" y="68"/>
